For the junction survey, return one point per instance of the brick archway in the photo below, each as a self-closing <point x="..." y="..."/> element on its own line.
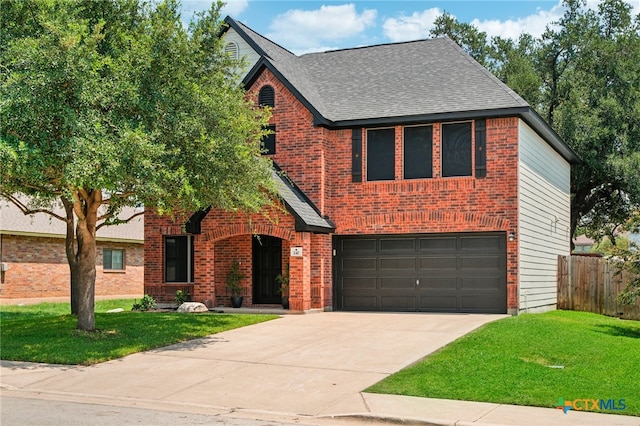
<point x="227" y="231"/>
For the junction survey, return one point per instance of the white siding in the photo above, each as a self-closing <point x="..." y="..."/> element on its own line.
<point x="244" y="51"/>
<point x="543" y="220"/>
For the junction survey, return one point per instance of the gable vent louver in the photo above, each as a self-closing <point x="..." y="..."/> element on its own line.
<point x="267" y="97"/>
<point x="231" y="49"/>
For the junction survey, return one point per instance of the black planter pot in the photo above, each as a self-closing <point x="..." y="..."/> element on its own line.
<point x="236" y="301"/>
<point x="285" y="302"/>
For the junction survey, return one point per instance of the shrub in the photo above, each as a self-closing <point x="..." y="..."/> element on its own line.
<point x="146" y="303"/>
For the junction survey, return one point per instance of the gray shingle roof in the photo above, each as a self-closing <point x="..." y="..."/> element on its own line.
<point x="307" y="216"/>
<point x="14" y="222"/>
<point x="417" y="81"/>
<point x="416" y="78"/>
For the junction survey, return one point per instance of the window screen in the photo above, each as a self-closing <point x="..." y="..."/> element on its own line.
<point x="113" y="259"/>
<point x="381" y="154"/>
<point x="178" y="261"/>
<point x="418" y="152"/>
<point x="269" y="141"/>
<point x="456" y="149"/>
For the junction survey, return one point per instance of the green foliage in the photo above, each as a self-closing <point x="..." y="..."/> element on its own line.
<point x="43" y="333"/>
<point x="182" y="296"/>
<point x="234" y="278"/>
<point x="510" y="362"/>
<point x="583" y="76"/>
<point x="146" y="303"/>
<point x="106" y="104"/>
<point x="283" y="280"/>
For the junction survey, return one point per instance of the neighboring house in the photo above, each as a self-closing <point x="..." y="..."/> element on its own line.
<point x="415" y="181"/>
<point x="34" y="262"/>
<point x="582" y="244"/>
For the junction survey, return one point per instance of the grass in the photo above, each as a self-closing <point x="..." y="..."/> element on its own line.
<point x="47" y="333"/>
<point x="516" y="361"/>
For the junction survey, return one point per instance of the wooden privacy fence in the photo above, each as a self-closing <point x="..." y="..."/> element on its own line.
<point x="592" y="284"/>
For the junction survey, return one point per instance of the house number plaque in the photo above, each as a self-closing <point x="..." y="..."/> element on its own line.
<point x="296" y="251"/>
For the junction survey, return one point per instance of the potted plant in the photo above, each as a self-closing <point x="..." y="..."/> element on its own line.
<point x="283" y="280"/>
<point x="233" y="284"/>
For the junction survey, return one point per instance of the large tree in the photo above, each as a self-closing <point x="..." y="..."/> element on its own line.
<point x="583" y="76"/>
<point x="107" y="104"/>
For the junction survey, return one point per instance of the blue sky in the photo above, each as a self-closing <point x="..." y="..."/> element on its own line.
<point x="308" y="25"/>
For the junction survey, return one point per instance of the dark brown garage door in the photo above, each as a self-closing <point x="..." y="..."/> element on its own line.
<point x="429" y="273"/>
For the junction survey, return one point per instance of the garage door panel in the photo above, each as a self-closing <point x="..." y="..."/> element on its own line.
<point x="405" y="283"/>
<point x="438" y="273"/>
<point x="360" y="303"/>
<point x="475" y="263"/>
<point x="359" y="283"/>
<point x="402" y="263"/>
<point x="487" y="284"/>
<point x="475" y="303"/>
<point x="438" y="263"/>
<point x="398" y="303"/>
<point x="397" y="244"/>
<point x="359" y="264"/>
<point x="481" y="243"/>
<point x="439" y="304"/>
<point x="438" y="244"/>
<point x="439" y="282"/>
<point x="359" y="245"/>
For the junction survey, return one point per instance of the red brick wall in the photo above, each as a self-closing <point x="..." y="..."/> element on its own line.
<point x="38" y="268"/>
<point x="319" y="162"/>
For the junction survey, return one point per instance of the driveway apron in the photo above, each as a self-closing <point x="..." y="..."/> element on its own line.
<point x="312" y="364"/>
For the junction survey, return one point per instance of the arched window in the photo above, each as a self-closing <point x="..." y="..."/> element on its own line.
<point x="267" y="97"/>
<point x="232" y="50"/>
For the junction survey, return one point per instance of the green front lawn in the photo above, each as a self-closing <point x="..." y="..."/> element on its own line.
<point x="533" y="360"/>
<point x="47" y="332"/>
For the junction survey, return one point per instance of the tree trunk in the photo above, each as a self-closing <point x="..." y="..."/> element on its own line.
<point x="85" y="278"/>
<point x="81" y="254"/>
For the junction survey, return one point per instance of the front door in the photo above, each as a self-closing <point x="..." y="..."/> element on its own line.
<point x="267" y="265"/>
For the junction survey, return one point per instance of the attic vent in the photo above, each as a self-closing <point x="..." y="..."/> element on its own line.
<point x="267" y="97"/>
<point x="232" y="50"/>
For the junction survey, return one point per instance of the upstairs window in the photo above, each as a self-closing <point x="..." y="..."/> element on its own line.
<point x="178" y="259"/>
<point x="381" y="162"/>
<point x="456" y="149"/>
<point x="113" y="259"/>
<point x="267" y="97"/>
<point x="269" y="141"/>
<point x="418" y="152"/>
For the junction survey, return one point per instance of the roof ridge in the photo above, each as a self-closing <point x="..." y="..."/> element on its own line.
<point x="368" y="46"/>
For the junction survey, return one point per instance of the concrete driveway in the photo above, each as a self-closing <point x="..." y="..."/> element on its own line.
<point x="313" y="365"/>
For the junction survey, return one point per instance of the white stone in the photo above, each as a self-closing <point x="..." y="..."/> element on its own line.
<point x="192" y="307"/>
<point x="113" y="311"/>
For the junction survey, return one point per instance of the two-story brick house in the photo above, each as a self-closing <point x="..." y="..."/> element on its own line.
<point x="415" y="181"/>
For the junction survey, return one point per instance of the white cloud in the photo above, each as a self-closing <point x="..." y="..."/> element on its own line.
<point x="512" y="28"/>
<point x="414" y="27"/>
<point x="303" y="31"/>
<point x="233" y="7"/>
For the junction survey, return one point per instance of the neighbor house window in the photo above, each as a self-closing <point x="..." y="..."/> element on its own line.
<point x="267" y="97"/>
<point x="418" y="152"/>
<point x="113" y="259"/>
<point x="456" y="149"/>
<point x="178" y="259"/>
<point x="381" y="162"/>
<point x="269" y="141"/>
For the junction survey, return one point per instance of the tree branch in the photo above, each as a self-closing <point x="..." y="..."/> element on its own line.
<point x="120" y="221"/>
<point x="26" y="210"/>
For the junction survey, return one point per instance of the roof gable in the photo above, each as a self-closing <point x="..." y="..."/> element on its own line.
<point x="397" y="83"/>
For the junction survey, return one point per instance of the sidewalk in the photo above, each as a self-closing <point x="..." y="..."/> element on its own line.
<point x="307" y="369"/>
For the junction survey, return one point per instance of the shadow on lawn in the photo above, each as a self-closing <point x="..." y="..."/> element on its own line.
<point x="619" y="331"/>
